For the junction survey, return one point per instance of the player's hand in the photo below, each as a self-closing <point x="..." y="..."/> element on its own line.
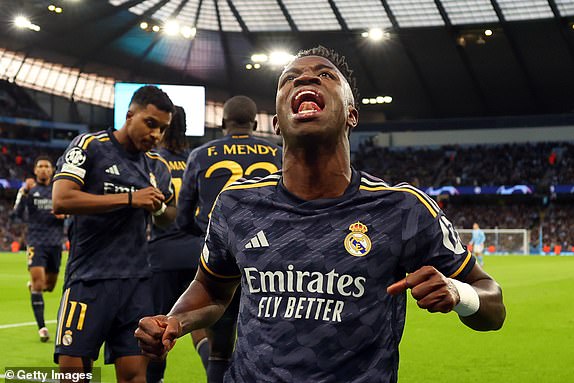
<point x="59" y="216"/>
<point x="149" y="198"/>
<point x="431" y="289"/>
<point x="157" y="335"/>
<point x="29" y="183"/>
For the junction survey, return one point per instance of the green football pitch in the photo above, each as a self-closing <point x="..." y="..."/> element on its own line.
<point x="535" y="345"/>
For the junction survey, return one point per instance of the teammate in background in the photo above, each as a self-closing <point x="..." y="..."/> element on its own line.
<point x="314" y="248"/>
<point x="172" y="252"/>
<point x="477" y="242"/>
<point x="114" y="186"/>
<point x="210" y="168"/>
<point x="45" y="236"/>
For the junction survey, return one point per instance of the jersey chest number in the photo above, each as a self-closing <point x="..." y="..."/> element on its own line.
<point x="236" y="170"/>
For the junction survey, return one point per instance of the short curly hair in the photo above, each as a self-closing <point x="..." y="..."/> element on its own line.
<point x="339" y="61"/>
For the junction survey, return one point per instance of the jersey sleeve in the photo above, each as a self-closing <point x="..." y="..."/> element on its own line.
<point x="74" y="164"/>
<point x="216" y="259"/>
<point x="188" y="197"/>
<point x="20" y="204"/>
<point x="434" y="242"/>
<point x="164" y="181"/>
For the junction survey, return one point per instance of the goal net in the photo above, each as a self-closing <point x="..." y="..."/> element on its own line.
<point x="501" y="241"/>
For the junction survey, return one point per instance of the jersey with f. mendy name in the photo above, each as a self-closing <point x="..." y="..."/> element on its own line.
<point x="213" y="166"/>
<point x="314" y="306"/>
<point x="113" y="244"/>
<point x="44" y="229"/>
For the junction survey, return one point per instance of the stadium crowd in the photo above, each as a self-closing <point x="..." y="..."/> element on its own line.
<point x="528" y="164"/>
<point x="539" y="164"/>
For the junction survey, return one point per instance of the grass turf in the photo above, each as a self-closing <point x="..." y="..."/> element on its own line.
<point x="535" y="344"/>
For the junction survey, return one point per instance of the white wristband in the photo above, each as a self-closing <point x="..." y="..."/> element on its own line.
<point x="469" y="299"/>
<point x="160" y="211"/>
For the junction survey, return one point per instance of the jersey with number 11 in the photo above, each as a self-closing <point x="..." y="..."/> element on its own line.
<point x="213" y="166"/>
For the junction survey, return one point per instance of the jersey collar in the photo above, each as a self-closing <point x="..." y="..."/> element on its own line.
<point x="322" y="203"/>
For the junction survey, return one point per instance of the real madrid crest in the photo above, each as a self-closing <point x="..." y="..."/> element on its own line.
<point x="67" y="338"/>
<point x="357" y="243"/>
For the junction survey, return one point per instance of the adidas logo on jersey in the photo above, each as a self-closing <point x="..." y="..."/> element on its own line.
<point x="113" y="170"/>
<point x="258" y="241"/>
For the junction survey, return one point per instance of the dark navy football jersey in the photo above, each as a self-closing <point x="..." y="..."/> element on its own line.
<point x="178" y="256"/>
<point x="114" y="244"/>
<point x="215" y="165"/>
<point x="314" y="306"/>
<point x="44" y="229"/>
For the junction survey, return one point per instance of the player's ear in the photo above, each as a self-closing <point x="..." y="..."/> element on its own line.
<point x="255" y="125"/>
<point x="276" y="125"/>
<point x="129" y="114"/>
<point x="352" y="117"/>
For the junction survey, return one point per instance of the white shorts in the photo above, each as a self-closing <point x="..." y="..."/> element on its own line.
<point x="478" y="248"/>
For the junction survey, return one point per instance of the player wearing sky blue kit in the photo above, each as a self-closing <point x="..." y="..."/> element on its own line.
<point x="44" y="237"/>
<point x="321" y="251"/>
<point x="114" y="187"/>
<point x="210" y="168"/>
<point x="477" y="242"/>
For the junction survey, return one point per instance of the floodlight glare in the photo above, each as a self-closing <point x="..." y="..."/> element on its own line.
<point x="58" y="10"/>
<point x="188" y="32"/>
<point x="51" y="7"/>
<point x="488" y="32"/>
<point x="256" y="65"/>
<point x="365" y="101"/>
<point x="373" y="100"/>
<point x="279" y="58"/>
<point x="155" y="28"/>
<point x="22" y="22"/>
<point x="248" y="66"/>
<point x="171" y="28"/>
<point x="376" y="34"/>
<point x="380" y="100"/>
<point x="259" y="58"/>
<point x="365" y="34"/>
<point x="144" y="25"/>
<point x="388" y="99"/>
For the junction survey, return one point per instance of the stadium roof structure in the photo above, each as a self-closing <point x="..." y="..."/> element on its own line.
<point x="434" y="58"/>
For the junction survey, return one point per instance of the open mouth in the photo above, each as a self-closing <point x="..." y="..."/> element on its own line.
<point x="306" y="102"/>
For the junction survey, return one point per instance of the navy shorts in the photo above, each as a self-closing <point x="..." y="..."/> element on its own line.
<point x="108" y="310"/>
<point x="48" y="257"/>
<point x="168" y="287"/>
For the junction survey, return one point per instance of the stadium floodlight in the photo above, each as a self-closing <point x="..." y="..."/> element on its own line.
<point x="188" y="32"/>
<point x="488" y="32"/>
<point x="171" y="28"/>
<point x="144" y="25"/>
<point x="23" y="22"/>
<point x="248" y="66"/>
<point x="365" y="101"/>
<point x="387" y="99"/>
<point x="155" y="28"/>
<point x="278" y="58"/>
<point x="380" y="100"/>
<point x="51" y="7"/>
<point x="259" y="58"/>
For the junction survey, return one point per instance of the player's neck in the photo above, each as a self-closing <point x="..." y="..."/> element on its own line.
<point x="317" y="174"/>
<point x="124" y="140"/>
<point x="43" y="182"/>
<point x="237" y="132"/>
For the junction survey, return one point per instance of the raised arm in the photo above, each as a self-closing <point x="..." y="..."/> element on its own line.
<point x="68" y="198"/>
